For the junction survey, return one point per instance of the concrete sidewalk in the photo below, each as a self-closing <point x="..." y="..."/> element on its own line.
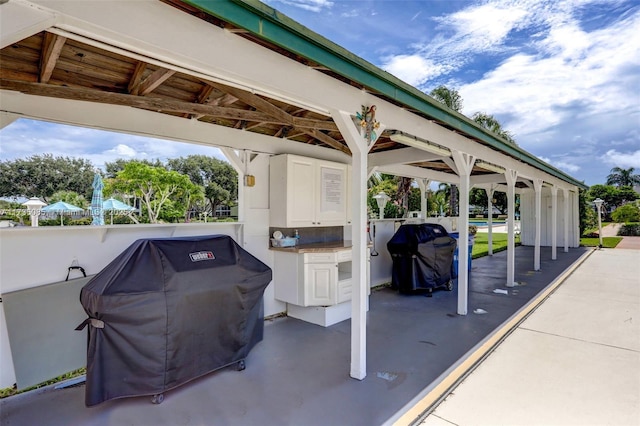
<point x="575" y="360"/>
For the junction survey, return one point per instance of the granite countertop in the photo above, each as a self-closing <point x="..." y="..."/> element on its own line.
<point x="332" y="246"/>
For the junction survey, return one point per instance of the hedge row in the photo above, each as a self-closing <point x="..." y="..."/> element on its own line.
<point x="631" y="229"/>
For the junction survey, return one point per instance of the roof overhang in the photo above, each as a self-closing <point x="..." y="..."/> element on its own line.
<point x="230" y="79"/>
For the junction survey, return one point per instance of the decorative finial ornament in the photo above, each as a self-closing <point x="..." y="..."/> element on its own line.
<point x="368" y="123"/>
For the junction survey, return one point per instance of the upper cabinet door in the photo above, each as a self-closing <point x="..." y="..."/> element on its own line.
<point x="301" y="192"/>
<point x="307" y="192"/>
<point x="331" y="206"/>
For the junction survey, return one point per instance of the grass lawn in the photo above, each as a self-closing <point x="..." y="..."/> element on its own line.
<point x="481" y="243"/>
<point x="607" y="242"/>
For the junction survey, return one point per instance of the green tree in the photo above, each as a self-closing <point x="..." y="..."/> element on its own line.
<point x="447" y="190"/>
<point x="70" y="197"/>
<point x="115" y="166"/>
<point x="452" y="99"/>
<point x="449" y="97"/>
<point x="626" y="213"/>
<point x="623" y="177"/>
<point x="438" y="203"/>
<point x="588" y="216"/>
<point x="388" y="184"/>
<point x="156" y="186"/>
<point x="490" y="123"/>
<point x="611" y="195"/>
<point x="218" y="178"/>
<point x="216" y="195"/>
<point x="42" y="175"/>
<point x="478" y="197"/>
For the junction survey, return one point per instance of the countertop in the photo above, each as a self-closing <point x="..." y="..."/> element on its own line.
<point x="316" y="247"/>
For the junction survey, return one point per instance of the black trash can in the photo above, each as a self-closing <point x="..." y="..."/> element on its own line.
<point x="422" y="255"/>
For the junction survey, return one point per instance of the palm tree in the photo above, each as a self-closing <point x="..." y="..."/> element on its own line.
<point x="452" y="99"/>
<point x="490" y="123"/>
<point x="623" y="177"/>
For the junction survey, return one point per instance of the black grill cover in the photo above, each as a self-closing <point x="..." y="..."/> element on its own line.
<point x="422" y="255"/>
<point x="173" y="309"/>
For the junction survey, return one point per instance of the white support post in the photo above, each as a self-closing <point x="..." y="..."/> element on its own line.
<point x="565" y="198"/>
<point x="490" y="191"/>
<point x="464" y="163"/>
<point x="554" y="222"/>
<point x="424" y="187"/>
<point x="240" y="163"/>
<point x="359" y="150"/>
<point x="511" y="176"/>
<point x="537" y="185"/>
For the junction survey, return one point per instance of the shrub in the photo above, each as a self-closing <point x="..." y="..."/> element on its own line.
<point x="626" y="213"/>
<point x="630" y="230"/>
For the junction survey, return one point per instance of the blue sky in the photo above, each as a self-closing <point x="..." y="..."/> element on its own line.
<point x="562" y="76"/>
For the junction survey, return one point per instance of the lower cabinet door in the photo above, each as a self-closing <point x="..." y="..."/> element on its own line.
<point x="321" y="284"/>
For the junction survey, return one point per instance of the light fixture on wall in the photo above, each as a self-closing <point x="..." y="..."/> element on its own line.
<point x="415" y="142"/>
<point x="489" y="166"/>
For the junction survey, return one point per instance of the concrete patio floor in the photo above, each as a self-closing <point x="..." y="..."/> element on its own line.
<point x="299" y="373"/>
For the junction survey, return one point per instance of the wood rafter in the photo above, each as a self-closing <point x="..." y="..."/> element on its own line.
<point x="51" y="50"/>
<point x="147" y="102"/>
<point x="324" y="138"/>
<point x="203" y="98"/>
<point x="136" y="78"/>
<point x="156" y="78"/>
<point x="272" y="110"/>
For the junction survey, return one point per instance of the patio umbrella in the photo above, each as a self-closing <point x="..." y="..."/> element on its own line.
<point x="61" y="208"/>
<point x="115" y="205"/>
<point x="96" y="201"/>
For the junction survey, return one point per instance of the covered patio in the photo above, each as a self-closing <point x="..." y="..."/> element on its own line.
<point x="242" y="77"/>
<point x="298" y="374"/>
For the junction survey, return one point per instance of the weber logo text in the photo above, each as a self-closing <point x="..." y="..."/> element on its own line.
<point x="201" y="255"/>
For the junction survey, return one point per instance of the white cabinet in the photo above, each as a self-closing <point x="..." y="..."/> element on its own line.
<point x="313" y="279"/>
<point x="320" y="284"/>
<point x="306" y="192"/>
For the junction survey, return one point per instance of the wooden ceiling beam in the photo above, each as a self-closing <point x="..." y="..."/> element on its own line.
<point x="136" y="78"/>
<point x="278" y="113"/>
<point x="51" y="49"/>
<point x="257" y="102"/>
<point x="156" y="78"/>
<point x="324" y="138"/>
<point x="224" y="100"/>
<point x="147" y="102"/>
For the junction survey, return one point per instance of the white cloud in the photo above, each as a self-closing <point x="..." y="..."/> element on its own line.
<point x="575" y="75"/>
<point x="25" y="138"/>
<point x="353" y="13"/>
<point x="562" y="165"/>
<point x="310" y="5"/>
<point x="413" y="69"/>
<point x="483" y="27"/>
<point x="623" y="159"/>
<point x="122" y="150"/>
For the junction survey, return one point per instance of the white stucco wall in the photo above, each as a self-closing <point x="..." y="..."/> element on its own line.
<point x="528" y="221"/>
<point x="31" y="257"/>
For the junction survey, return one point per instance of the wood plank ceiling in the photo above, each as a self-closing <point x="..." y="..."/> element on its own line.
<point x="47" y="64"/>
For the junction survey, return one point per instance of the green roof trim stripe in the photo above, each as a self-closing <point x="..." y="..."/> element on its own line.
<point x="271" y="25"/>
